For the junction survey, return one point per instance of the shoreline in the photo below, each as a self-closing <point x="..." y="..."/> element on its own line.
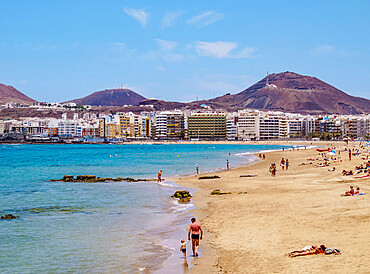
<point x="173" y="262"/>
<point x="179" y="142"/>
<point x="293" y="210"/>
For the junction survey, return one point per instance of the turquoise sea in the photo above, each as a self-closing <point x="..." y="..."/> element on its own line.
<point x="102" y="227"/>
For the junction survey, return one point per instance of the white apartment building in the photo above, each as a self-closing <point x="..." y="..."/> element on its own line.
<point x="232" y="127"/>
<point x="295" y="128"/>
<point x="69" y="128"/>
<point x="169" y="124"/>
<point x="248" y="125"/>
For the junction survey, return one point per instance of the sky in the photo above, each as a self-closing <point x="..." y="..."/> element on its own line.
<point x="55" y="51"/>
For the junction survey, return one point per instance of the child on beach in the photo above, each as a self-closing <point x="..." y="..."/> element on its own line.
<point x="183" y="246"/>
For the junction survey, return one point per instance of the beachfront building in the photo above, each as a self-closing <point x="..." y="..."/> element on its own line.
<point x="295" y="127"/>
<point x="69" y="128"/>
<point x="269" y="127"/>
<point x="232" y="127"/>
<point x="356" y="126"/>
<point x="5" y="126"/>
<point x="248" y="125"/>
<point x="211" y="126"/>
<point x="102" y="127"/>
<point x="29" y="126"/>
<point x="169" y="125"/>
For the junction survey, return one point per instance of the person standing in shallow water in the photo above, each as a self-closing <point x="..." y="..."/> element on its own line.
<point x="227" y="165"/>
<point x="196" y="232"/>
<point x="197" y="168"/>
<point x="159" y="176"/>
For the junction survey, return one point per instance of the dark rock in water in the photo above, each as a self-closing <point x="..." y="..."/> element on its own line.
<point x="218" y="192"/>
<point x="208" y="177"/>
<point x="184" y="200"/>
<point x="183" y="195"/>
<point x="85" y="177"/>
<point x="54" y="209"/>
<point x="8" y="217"/>
<point x="94" y="179"/>
<point x="67" y="178"/>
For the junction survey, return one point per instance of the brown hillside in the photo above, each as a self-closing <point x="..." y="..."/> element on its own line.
<point x="291" y="92"/>
<point x="110" y="97"/>
<point x="10" y="94"/>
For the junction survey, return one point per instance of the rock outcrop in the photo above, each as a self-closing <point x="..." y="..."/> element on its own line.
<point x="218" y="192"/>
<point x="183" y="195"/>
<point x="95" y="179"/>
<point x="8" y="217"/>
<point x="208" y="177"/>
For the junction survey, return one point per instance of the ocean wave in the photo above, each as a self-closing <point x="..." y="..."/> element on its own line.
<point x="178" y="207"/>
<point x="164" y="184"/>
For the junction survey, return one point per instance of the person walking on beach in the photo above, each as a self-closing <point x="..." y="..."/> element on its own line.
<point x="183" y="247"/>
<point x="286" y="164"/>
<point x="227" y="165"/>
<point x="282" y="163"/>
<point x="194" y="230"/>
<point x="197" y="168"/>
<point x="159" y="176"/>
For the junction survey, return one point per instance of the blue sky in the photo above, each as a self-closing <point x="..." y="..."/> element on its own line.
<point x="180" y="50"/>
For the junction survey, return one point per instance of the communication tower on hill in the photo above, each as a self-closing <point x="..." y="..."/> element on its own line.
<point x="267" y="82"/>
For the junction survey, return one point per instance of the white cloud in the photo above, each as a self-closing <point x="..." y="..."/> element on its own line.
<point x="327" y="50"/>
<point x="245" y="53"/>
<point x="222" y="49"/>
<point x="205" y="19"/>
<point x="170" y="18"/>
<point x="214" y="49"/>
<point x="139" y="15"/>
<point x="324" y="49"/>
<point x="166" y="45"/>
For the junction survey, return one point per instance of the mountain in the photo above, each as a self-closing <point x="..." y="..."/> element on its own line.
<point x="292" y="92"/>
<point x="10" y="94"/>
<point x="110" y="97"/>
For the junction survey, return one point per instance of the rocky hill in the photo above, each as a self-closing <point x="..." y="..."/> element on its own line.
<point x="10" y="94"/>
<point x="292" y="92"/>
<point x="110" y="97"/>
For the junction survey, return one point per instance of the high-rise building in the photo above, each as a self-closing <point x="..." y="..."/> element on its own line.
<point x="207" y="126"/>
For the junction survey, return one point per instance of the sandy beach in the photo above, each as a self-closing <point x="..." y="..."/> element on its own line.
<point x="253" y="232"/>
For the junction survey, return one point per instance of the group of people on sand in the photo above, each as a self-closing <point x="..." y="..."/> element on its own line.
<point x="352" y="191"/>
<point x="284" y="163"/>
<point x="262" y="156"/>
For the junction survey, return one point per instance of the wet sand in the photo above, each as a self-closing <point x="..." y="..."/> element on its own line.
<point x="253" y="232"/>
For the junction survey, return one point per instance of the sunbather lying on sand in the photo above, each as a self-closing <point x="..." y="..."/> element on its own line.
<point x="350" y="192"/>
<point x="308" y="250"/>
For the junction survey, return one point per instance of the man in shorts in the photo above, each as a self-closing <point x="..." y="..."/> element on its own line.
<point x="159" y="176"/>
<point x="194" y="230"/>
